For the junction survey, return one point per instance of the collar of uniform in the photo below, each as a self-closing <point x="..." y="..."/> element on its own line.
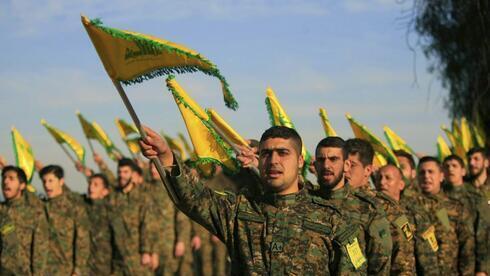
<point x="59" y="198"/>
<point x="387" y="198"/>
<point x="16" y="202"/>
<point x="279" y="201"/>
<point x="453" y="188"/>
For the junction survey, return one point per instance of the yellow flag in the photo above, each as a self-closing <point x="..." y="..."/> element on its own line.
<point x="63" y="138"/>
<point x="278" y="117"/>
<point x="230" y="133"/>
<point x="208" y="145"/>
<point x="87" y="127"/>
<point x="379" y="160"/>
<point x="187" y="146"/>
<point x="132" y="57"/>
<point x="466" y="138"/>
<point x="457" y="147"/>
<point x="443" y="149"/>
<point x="105" y="141"/>
<point x="456" y="130"/>
<point x="396" y="142"/>
<point x="329" y="131"/>
<point x="130" y="135"/>
<point x="362" y="132"/>
<point x="24" y="157"/>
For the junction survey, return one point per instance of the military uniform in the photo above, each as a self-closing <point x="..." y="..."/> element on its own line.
<point x="270" y="233"/>
<point x="69" y="237"/>
<point x="402" y="233"/>
<point x="135" y="227"/>
<point x="452" y="235"/>
<point x="24" y="238"/>
<point x="475" y="201"/>
<point x="362" y="208"/>
<point x="100" y="260"/>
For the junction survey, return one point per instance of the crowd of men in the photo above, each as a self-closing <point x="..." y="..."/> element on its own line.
<point x="430" y="218"/>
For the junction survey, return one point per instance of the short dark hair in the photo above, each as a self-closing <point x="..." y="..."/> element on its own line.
<point x="284" y="133"/>
<point x="429" y="158"/>
<point x="54" y="169"/>
<point x="332" y="142"/>
<point x="477" y="150"/>
<point x="362" y="147"/>
<point x="126" y="162"/>
<point x="454" y="157"/>
<point x="402" y="153"/>
<point x="21" y="175"/>
<point x="102" y="176"/>
<point x="137" y="169"/>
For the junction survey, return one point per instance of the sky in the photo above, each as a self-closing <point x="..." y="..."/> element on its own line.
<point x="345" y="56"/>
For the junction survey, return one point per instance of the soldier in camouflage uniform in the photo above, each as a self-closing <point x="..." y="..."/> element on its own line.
<point x="282" y="231"/>
<point x="478" y="165"/>
<point x="68" y="226"/>
<point x="475" y="201"/>
<point x="453" y="235"/>
<point x="390" y="184"/>
<point x="134" y="225"/>
<point x="363" y="213"/>
<point x="24" y="236"/>
<point x="409" y="170"/>
<point x="100" y="260"/>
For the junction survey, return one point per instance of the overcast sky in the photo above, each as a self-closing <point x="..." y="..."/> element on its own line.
<point x="346" y="56"/>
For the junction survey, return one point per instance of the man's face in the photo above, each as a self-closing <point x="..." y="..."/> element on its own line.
<point x="453" y="172"/>
<point x="330" y="166"/>
<point x="53" y="186"/>
<point x="124" y="175"/>
<point x="390" y="182"/>
<point x="358" y="174"/>
<point x="430" y="177"/>
<point x="407" y="170"/>
<point x="279" y="163"/>
<point x="96" y="188"/>
<point x="11" y="186"/>
<point x="477" y="164"/>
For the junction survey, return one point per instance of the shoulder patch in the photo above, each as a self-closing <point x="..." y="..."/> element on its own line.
<point x="404" y="227"/>
<point x="7" y="229"/>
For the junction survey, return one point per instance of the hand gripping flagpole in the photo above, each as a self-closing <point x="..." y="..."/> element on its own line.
<point x="136" y="120"/>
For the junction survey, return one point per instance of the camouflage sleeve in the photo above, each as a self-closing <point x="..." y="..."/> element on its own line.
<point x="149" y="227"/>
<point x="465" y="232"/>
<point x="379" y="244"/>
<point x="82" y="242"/>
<point x="403" y="255"/>
<point x="211" y="209"/>
<point x="40" y="244"/>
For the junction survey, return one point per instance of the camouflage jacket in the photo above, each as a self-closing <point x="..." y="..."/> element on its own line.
<point x="135" y="228"/>
<point x="270" y="234"/>
<point x="453" y="236"/>
<point x="100" y="260"/>
<point x="402" y="233"/>
<point x="475" y="201"/>
<point x="375" y="239"/>
<point x="24" y="238"/>
<point x="69" y="246"/>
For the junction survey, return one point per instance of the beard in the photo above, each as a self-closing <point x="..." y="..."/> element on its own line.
<point x="331" y="184"/>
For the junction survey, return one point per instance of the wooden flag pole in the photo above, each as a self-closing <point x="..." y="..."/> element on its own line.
<point x="137" y="122"/>
<point x="67" y="153"/>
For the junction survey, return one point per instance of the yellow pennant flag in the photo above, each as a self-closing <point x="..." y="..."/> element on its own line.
<point x="456" y="130"/>
<point x="87" y="127"/>
<point x="190" y="152"/>
<point x="466" y="138"/>
<point x="362" y="132"/>
<point x="379" y="160"/>
<point x="278" y="117"/>
<point x="457" y="147"/>
<point x="63" y="138"/>
<point x="129" y="134"/>
<point x="208" y="145"/>
<point x="132" y="57"/>
<point x="396" y="142"/>
<point x="225" y="128"/>
<point x="24" y="157"/>
<point x="105" y="141"/>
<point x="329" y="131"/>
<point x="443" y="149"/>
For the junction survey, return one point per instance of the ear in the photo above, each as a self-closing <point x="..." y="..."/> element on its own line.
<point x="413" y="174"/>
<point x="368" y="170"/>
<point x="464" y="171"/>
<point x="301" y="161"/>
<point x="22" y="186"/>
<point x="62" y="181"/>
<point x="401" y="185"/>
<point x="347" y="165"/>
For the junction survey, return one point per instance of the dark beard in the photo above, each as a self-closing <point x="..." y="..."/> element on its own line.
<point x="333" y="184"/>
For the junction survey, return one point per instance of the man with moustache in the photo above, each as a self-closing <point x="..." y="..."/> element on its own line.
<point x="375" y="239"/>
<point x="68" y="226"/>
<point x="24" y="236"/>
<point x="474" y="200"/>
<point x="134" y="225"/>
<point x="478" y="171"/>
<point x="453" y="236"/>
<point x="281" y="231"/>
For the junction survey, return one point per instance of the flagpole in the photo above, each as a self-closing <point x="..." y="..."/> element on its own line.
<point x="67" y="153"/>
<point x="137" y="122"/>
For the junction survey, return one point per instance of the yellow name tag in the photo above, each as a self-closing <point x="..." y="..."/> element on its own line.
<point x="355" y="254"/>
<point x="430" y="236"/>
<point x="6" y="229"/>
<point x="402" y="223"/>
